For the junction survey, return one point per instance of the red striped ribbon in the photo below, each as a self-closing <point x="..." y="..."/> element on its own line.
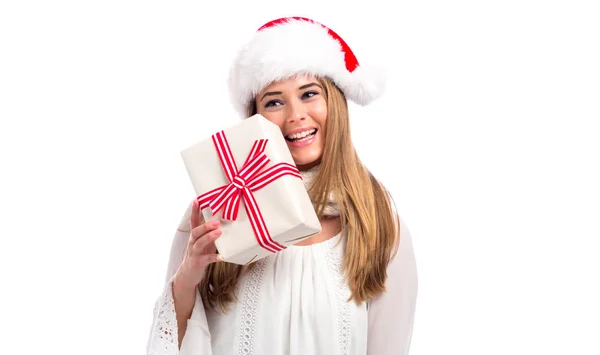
<point x="241" y="183"/>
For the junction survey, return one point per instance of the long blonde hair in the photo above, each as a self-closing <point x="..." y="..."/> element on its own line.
<point x="365" y="212"/>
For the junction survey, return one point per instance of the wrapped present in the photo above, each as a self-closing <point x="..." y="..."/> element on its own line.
<point x="246" y="177"/>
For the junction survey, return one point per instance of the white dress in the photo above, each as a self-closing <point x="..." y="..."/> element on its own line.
<point x="294" y="302"/>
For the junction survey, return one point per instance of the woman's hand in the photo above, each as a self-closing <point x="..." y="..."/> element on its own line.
<point x="200" y="252"/>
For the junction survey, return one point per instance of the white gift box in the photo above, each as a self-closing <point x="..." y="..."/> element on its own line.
<point x="283" y="204"/>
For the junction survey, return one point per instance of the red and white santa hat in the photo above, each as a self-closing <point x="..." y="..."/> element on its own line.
<point x="289" y="46"/>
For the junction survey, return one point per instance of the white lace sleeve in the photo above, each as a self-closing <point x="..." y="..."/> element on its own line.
<point x="163" y="334"/>
<point x="391" y="314"/>
<point x="163" y="339"/>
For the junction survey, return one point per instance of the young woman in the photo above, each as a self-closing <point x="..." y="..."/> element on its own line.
<point x="350" y="289"/>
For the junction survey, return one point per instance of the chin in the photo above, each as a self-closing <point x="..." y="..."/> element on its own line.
<point x="305" y="164"/>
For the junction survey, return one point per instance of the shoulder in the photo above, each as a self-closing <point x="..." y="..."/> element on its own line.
<point x="403" y="266"/>
<point x="401" y="225"/>
<point x="404" y="236"/>
<point x="404" y="241"/>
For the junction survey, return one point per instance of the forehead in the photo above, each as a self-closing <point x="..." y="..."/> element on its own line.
<point x="292" y="83"/>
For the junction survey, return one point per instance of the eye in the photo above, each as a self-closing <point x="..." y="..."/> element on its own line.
<point x="272" y="103"/>
<point x="309" y="94"/>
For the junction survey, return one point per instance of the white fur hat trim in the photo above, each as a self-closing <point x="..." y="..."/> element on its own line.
<point x="287" y="47"/>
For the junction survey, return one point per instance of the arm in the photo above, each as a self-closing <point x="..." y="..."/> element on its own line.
<point x="391" y="315"/>
<point x="184" y="299"/>
<point x="184" y="296"/>
<point x="179" y="326"/>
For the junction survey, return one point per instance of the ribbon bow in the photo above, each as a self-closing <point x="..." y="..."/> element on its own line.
<point x="242" y="183"/>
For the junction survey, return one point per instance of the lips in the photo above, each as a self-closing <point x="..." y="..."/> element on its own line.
<point x="301" y="135"/>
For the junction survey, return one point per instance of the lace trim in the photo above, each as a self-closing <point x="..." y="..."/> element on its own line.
<point x="334" y="260"/>
<point x="164" y="338"/>
<point x="249" y="308"/>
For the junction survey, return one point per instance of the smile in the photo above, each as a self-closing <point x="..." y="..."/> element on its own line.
<point x="301" y="136"/>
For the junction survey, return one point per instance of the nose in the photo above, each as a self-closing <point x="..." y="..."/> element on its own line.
<point x="296" y="111"/>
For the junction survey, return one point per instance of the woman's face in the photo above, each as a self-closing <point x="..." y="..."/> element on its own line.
<point x="298" y="106"/>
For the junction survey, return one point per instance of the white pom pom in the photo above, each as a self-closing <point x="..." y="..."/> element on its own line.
<point x="365" y="84"/>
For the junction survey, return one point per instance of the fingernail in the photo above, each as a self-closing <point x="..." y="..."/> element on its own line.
<point x="215" y="223"/>
<point x="219" y="258"/>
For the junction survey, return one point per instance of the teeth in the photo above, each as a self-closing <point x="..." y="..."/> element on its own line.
<point x="302" y="139"/>
<point x="302" y="134"/>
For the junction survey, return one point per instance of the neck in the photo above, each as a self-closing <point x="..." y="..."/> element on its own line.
<point x="331" y="207"/>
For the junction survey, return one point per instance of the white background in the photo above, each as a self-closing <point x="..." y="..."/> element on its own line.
<point x="487" y="137"/>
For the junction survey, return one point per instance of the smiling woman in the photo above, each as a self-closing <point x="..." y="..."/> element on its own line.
<point x="298" y="105"/>
<point x="350" y="289"/>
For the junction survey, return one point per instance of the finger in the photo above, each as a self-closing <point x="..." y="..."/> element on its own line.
<point x="204" y="228"/>
<point x="211" y="248"/>
<point x="195" y="216"/>
<point x="207" y="240"/>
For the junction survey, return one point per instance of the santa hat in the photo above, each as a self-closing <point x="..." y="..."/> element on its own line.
<point x="290" y="46"/>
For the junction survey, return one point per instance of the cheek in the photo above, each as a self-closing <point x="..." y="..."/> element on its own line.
<point x="319" y="112"/>
<point x="274" y="117"/>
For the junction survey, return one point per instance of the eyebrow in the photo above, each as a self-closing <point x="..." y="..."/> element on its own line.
<point x="309" y="85"/>
<point x="272" y="93"/>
